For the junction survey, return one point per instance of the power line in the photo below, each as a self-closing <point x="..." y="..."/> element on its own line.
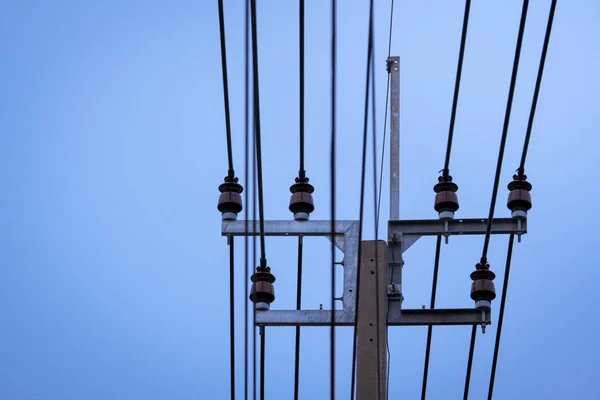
<point x="301" y="171"/>
<point x="247" y="195"/>
<point x="362" y="194"/>
<point x="298" y="306"/>
<point x="446" y="176"/>
<point x="332" y="170"/>
<point x="461" y="55"/>
<point x="231" y="316"/>
<point x="231" y="173"/>
<point x="431" y="306"/>
<point x="261" y="214"/>
<point x="375" y="223"/>
<point x="511" y="241"/>
<point x="521" y="173"/>
<point x="513" y="81"/>
<point x="483" y="266"/>
<point x="538" y="83"/>
<point x="470" y="361"/>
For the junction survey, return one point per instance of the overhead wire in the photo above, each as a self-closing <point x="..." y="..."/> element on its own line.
<point x="511" y="241"/>
<point x="538" y="83"/>
<point x="483" y="261"/>
<point x="298" y="306"/>
<point x="258" y="165"/>
<point x="301" y="176"/>
<point x="231" y="173"/>
<point x="513" y="81"/>
<point x="375" y="224"/>
<point x="362" y="196"/>
<point x="445" y="174"/>
<point x="332" y="177"/>
<point x="230" y="178"/>
<point x="246" y="195"/>
<point x="520" y="171"/>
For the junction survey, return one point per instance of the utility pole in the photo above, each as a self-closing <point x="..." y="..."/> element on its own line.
<point x="379" y="259"/>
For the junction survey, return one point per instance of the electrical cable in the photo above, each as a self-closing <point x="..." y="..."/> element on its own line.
<point x="262" y="362"/>
<point x="362" y="197"/>
<point x="511" y="91"/>
<point x="375" y="224"/>
<point x="470" y="361"/>
<point x="231" y="316"/>
<point x="436" y="265"/>
<point x="332" y="170"/>
<point x="246" y="195"/>
<point x="231" y="172"/>
<point x="461" y="55"/>
<point x="538" y="83"/>
<point x="513" y="81"/>
<point x="298" y="305"/>
<point x="445" y="174"/>
<point x="521" y="171"/>
<point x="301" y="171"/>
<point x="511" y="241"/>
<point x="256" y="107"/>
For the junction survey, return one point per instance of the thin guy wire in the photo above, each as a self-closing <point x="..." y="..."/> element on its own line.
<point x="470" y="362"/>
<point x="511" y="241"/>
<point x="538" y="83"/>
<point x="231" y="172"/>
<point x="375" y="224"/>
<point x="298" y="305"/>
<point x="461" y="55"/>
<point x="261" y="214"/>
<point x="387" y="96"/>
<point x="232" y="316"/>
<point x="362" y="200"/>
<point x="513" y="81"/>
<point x="246" y="196"/>
<point x="436" y="265"/>
<point x="301" y="171"/>
<point x="332" y="168"/>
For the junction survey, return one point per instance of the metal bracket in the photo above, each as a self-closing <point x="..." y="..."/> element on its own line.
<point x="345" y="238"/>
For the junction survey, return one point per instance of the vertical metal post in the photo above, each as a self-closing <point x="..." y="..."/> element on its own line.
<point x="394" y="70"/>
<point x="372" y="331"/>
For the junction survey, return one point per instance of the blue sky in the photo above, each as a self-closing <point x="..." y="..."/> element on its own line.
<point x="112" y="145"/>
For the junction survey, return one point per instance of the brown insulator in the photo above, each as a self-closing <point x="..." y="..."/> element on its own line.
<point x="483" y="290"/>
<point x="230" y="200"/>
<point x="262" y="292"/>
<point x="519" y="198"/>
<point x="446" y="200"/>
<point x="301" y="203"/>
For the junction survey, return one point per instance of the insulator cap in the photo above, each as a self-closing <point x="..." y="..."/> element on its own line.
<point x="446" y="200"/>
<point x="230" y="200"/>
<point x="262" y="293"/>
<point x="519" y="198"/>
<point x="483" y="287"/>
<point x="301" y="202"/>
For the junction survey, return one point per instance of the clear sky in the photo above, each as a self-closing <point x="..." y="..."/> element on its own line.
<point x="114" y="272"/>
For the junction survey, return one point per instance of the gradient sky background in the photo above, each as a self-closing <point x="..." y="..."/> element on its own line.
<point x="114" y="273"/>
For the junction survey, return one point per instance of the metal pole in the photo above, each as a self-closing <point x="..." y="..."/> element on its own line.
<point x="371" y="349"/>
<point x="394" y="70"/>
